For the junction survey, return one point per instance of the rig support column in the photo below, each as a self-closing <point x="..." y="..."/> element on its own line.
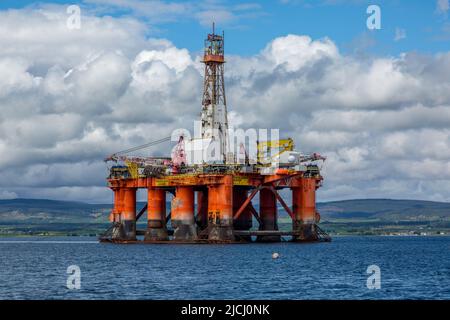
<point x="117" y="231"/>
<point x="129" y="213"/>
<point x="183" y="221"/>
<point x="220" y="210"/>
<point x="304" y="209"/>
<point x="156" y="215"/>
<point x="244" y="222"/>
<point x="115" y="212"/>
<point x="268" y="215"/>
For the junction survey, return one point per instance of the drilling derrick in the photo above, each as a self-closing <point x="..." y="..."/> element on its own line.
<point x="214" y="107"/>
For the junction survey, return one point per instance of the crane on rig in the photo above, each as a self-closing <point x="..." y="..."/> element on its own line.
<point x="127" y="166"/>
<point x="265" y="147"/>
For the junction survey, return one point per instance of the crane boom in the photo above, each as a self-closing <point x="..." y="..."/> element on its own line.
<point x="115" y="156"/>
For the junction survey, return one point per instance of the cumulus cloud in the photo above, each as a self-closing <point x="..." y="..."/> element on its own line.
<point x="377" y="120"/>
<point x="70" y="97"/>
<point x="7" y="195"/>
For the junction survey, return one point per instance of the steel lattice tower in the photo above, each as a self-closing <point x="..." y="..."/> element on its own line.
<point x="214" y="109"/>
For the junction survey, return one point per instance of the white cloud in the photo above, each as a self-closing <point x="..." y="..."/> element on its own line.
<point x="295" y="52"/>
<point x="69" y="98"/>
<point x="15" y="77"/>
<point x="41" y="37"/>
<point x="7" y="195"/>
<point x="442" y="6"/>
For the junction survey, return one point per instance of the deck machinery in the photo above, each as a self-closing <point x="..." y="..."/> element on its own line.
<point x="212" y="201"/>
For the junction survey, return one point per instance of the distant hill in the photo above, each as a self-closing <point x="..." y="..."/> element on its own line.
<point x="50" y="211"/>
<point x="385" y="209"/>
<point x="368" y="216"/>
<point x="40" y="210"/>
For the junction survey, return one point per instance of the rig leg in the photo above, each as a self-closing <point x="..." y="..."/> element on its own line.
<point x="268" y="215"/>
<point x="220" y="210"/>
<point x="183" y="221"/>
<point x="117" y="232"/>
<point x="156" y="215"/>
<point x="244" y="222"/>
<point x="114" y="212"/>
<point x="304" y="209"/>
<point x="129" y="213"/>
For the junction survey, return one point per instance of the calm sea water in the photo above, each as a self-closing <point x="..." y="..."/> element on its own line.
<point x="411" y="268"/>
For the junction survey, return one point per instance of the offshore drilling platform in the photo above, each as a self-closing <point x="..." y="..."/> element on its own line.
<point x="212" y="191"/>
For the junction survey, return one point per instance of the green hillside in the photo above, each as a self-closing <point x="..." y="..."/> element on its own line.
<point x="385" y="209"/>
<point x="365" y="216"/>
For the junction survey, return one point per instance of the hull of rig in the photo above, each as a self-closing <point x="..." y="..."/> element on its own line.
<point x="212" y="200"/>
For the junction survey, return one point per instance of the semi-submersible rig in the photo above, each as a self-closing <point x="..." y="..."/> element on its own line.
<point x="212" y="199"/>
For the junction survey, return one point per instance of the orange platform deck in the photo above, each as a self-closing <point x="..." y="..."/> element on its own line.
<point x="212" y="208"/>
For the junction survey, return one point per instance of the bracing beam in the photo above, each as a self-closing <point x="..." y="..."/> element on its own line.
<point x="285" y="206"/>
<point x="252" y="195"/>
<point x="255" y="214"/>
<point x="141" y="212"/>
<point x="246" y="202"/>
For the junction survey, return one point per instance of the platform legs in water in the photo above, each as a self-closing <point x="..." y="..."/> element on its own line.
<point x="223" y="212"/>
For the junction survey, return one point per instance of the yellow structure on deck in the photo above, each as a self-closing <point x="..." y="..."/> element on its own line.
<point x="264" y="148"/>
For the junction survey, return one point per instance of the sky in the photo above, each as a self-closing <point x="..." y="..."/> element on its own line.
<point x="375" y="102"/>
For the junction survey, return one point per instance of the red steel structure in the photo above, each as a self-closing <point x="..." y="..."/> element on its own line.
<point x="224" y="207"/>
<point x="214" y="204"/>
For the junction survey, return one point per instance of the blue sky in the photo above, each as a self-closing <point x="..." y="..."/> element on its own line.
<point x="251" y="25"/>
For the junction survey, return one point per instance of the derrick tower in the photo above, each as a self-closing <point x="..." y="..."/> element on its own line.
<point x="214" y="107"/>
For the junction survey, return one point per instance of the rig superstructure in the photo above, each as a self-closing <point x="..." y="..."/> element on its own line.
<point x="213" y="186"/>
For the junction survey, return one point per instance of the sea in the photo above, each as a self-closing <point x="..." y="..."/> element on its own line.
<point x="349" y="267"/>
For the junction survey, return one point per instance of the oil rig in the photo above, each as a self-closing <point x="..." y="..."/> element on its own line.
<point x="212" y="186"/>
